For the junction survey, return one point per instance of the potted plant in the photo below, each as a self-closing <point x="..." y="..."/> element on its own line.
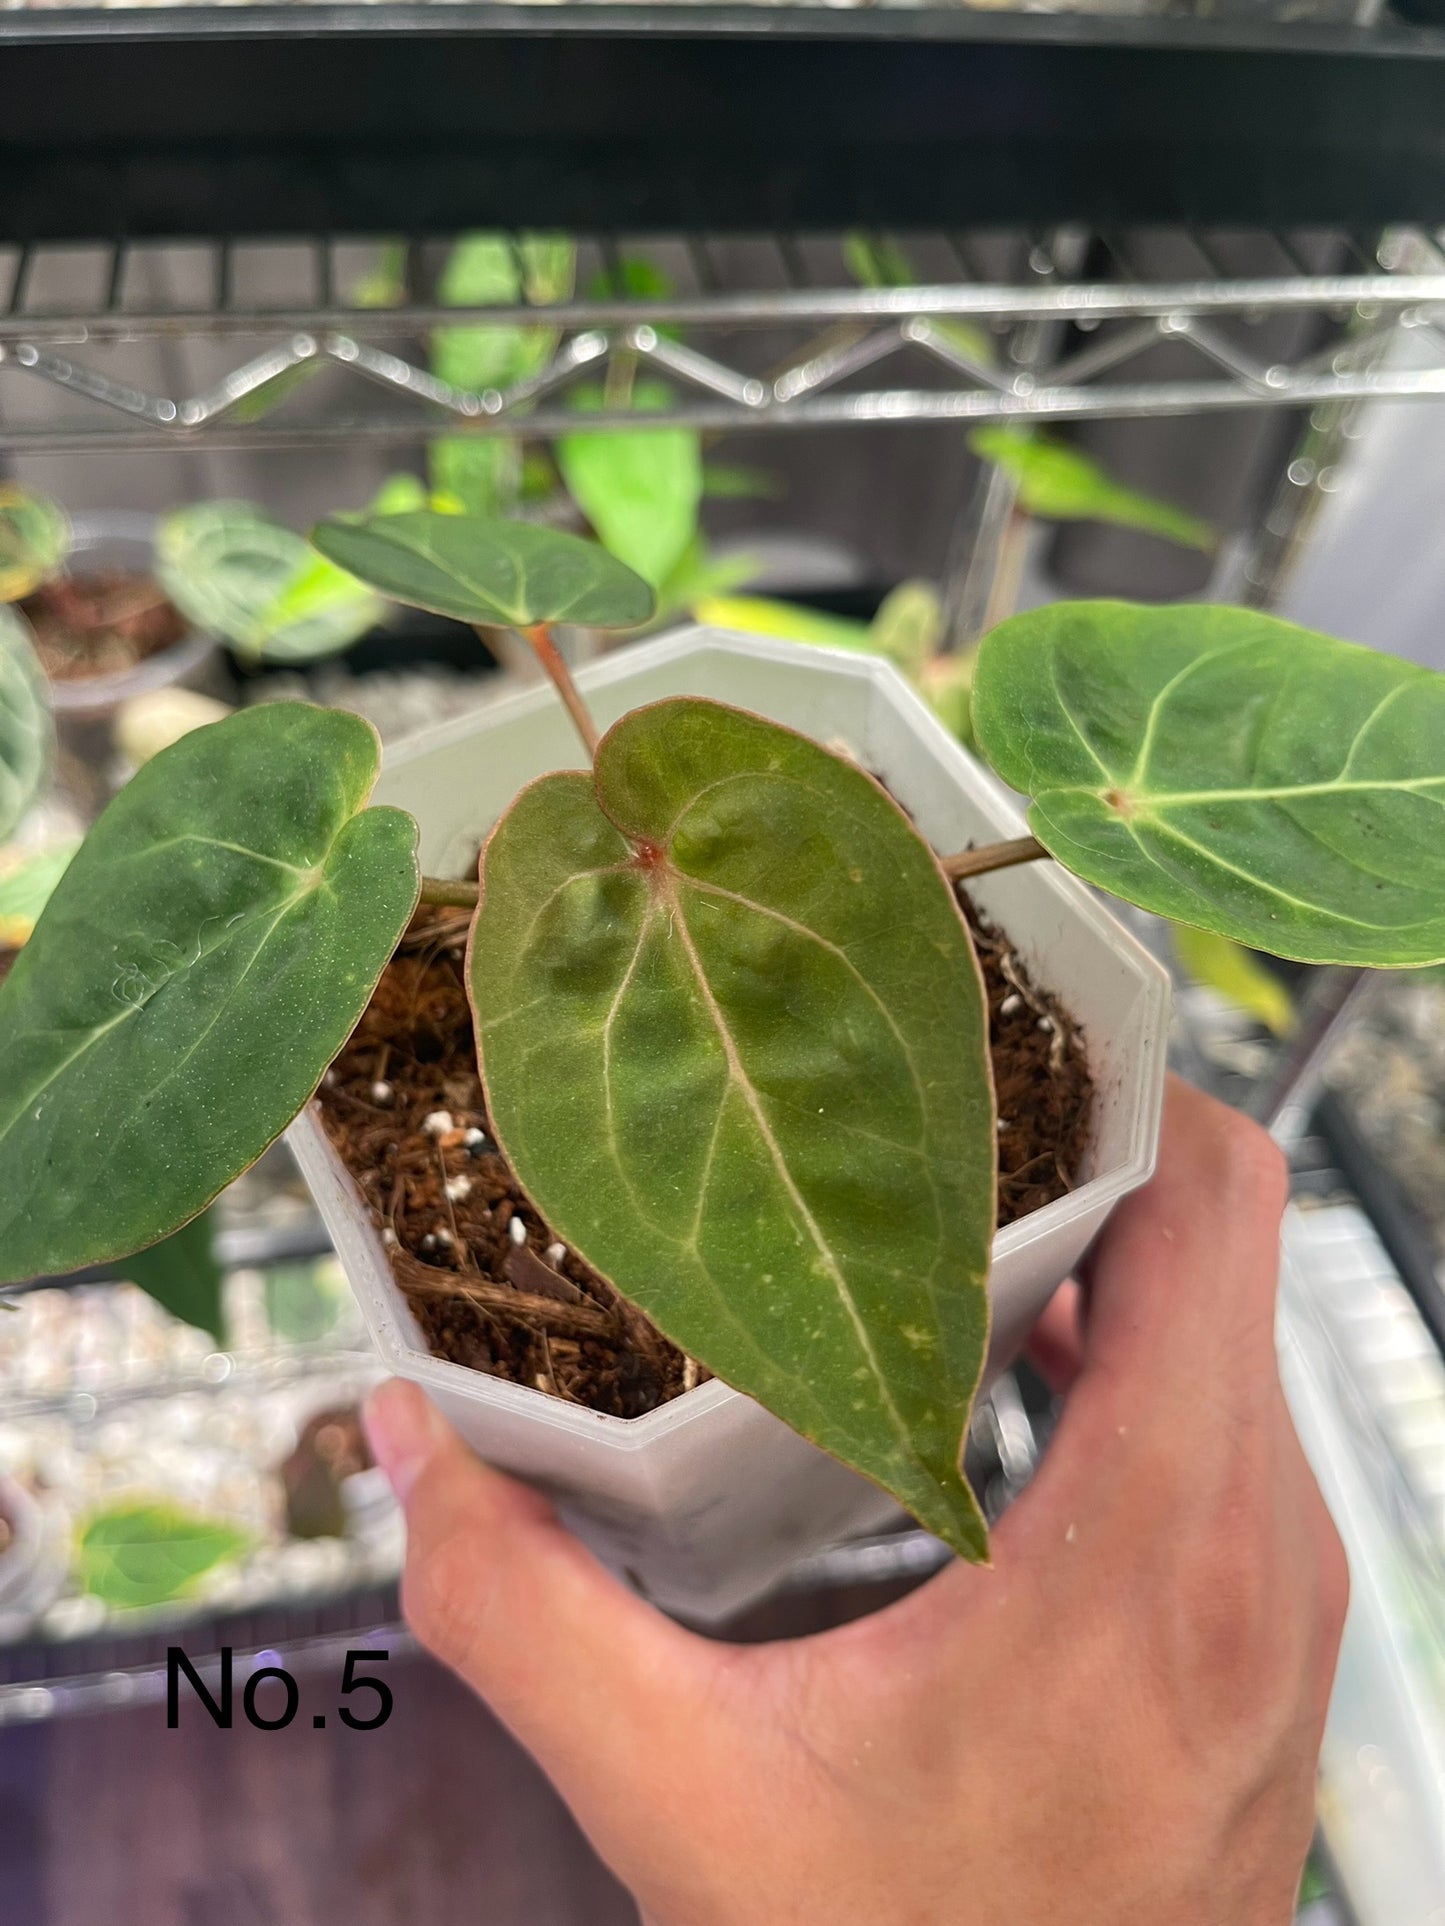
<point x="104" y="627"/>
<point x="732" y="1034"/>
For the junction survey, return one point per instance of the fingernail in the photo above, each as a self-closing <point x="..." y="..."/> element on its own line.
<point x="404" y="1428"/>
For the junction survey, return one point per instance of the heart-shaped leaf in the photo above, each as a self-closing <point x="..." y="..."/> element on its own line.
<point x="1063" y="485"/>
<point x="201" y="961"/>
<point x="34" y="541"/>
<point x="497" y="574"/>
<point x="734" y="1043"/>
<point x="27" y="734"/>
<point x="639" y="489"/>
<point x="183" y="1274"/>
<point x="237" y="574"/>
<point x="1228" y="769"/>
<point x="141" y="1553"/>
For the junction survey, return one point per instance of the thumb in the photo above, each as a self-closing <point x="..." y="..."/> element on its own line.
<point x="585" y="1674"/>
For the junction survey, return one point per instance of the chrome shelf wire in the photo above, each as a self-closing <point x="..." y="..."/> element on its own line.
<point x="322" y="367"/>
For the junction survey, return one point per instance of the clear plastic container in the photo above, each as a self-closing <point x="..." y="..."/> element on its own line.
<point x="122" y="540"/>
<point x="706" y="1502"/>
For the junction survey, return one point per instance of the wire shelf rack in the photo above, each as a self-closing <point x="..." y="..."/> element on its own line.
<point x="207" y="343"/>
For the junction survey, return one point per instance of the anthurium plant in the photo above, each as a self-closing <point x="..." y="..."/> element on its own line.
<point x="729" y="1019"/>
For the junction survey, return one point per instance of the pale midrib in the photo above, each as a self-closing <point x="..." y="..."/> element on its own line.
<point x="1257" y="882"/>
<point x="1161" y="701"/>
<point x="1289" y="792"/>
<point x="750" y="1096"/>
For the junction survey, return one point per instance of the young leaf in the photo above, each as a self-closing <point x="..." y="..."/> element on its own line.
<point x="499" y="574"/>
<point x="34" y="541"/>
<point x="27" y="881"/>
<point x="639" y="489"/>
<point x="734" y="1042"/>
<point x="235" y="573"/>
<point x="485" y="270"/>
<point x="484" y="472"/>
<point x="1230" y="770"/>
<point x="1237" y="975"/>
<point x="199" y="964"/>
<point x="946" y="685"/>
<point x="908" y="627"/>
<point x="879" y="262"/>
<point x="789" y="621"/>
<point x="140" y="1554"/>
<point x="183" y="1274"/>
<point x="1062" y="485"/>
<point x="27" y="735"/>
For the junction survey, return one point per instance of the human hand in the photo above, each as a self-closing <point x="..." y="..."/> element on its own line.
<point x="1117" y="1724"/>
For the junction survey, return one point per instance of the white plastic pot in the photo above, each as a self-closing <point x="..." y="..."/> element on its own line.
<point x="707" y="1501"/>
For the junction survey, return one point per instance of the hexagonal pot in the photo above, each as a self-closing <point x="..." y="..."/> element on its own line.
<point x="705" y="1502"/>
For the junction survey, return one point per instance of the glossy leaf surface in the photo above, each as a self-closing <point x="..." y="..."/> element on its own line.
<point x="235" y="573"/>
<point x="640" y="490"/>
<point x="27" y="735"/>
<point x="34" y="540"/>
<point x="734" y="1043"/>
<point x="201" y="961"/>
<point x="498" y="574"/>
<point x="1060" y="484"/>
<point x="1230" y="770"/>
<point x="138" y="1554"/>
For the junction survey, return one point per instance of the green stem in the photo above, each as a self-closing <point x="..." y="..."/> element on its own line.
<point x="982" y="862"/>
<point x="448" y="895"/>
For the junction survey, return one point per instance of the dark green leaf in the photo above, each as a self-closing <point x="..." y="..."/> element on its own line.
<point x="27" y="735"/>
<point x="507" y="574"/>
<point x="183" y="1274"/>
<point x="34" y="541"/>
<point x="237" y="574"/>
<point x="734" y="1043"/>
<point x="140" y="1554"/>
<point x="1060" y="484"/>
<point x="1230" y="770"/>
<point x="201" y="961"/>
<point x="640" y="491"/>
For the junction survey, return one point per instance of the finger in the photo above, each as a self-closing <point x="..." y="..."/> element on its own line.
<point x="1178" y="1355"/>
<point x="1182" y="1284"/>
<point x="583" y="1671"/>
<point x="1055" y="1346"/>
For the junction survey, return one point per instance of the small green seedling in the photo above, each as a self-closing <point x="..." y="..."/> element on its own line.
<point x="730" y="1023"/>
<point x="34" y="541"/>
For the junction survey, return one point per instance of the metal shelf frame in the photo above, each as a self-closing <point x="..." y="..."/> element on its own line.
<point x="727" y="375"/>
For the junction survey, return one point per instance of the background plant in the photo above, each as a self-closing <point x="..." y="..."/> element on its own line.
<point x="718" y="916"/>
